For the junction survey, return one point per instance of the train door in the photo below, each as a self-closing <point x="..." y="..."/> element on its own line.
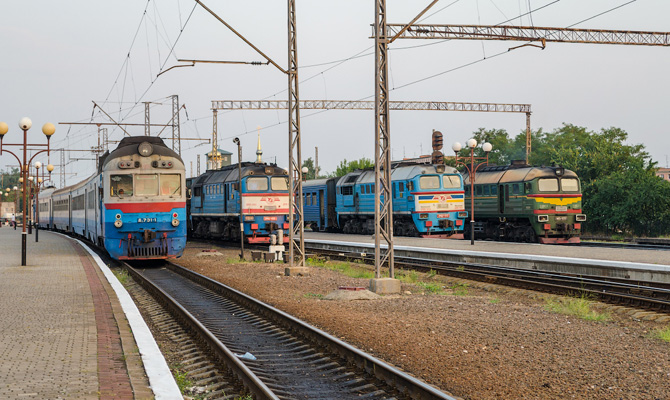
<point x="69" y="213"/>
<point x="226" y="190"/>
<point x="322" y="210"/>
<point x="501" y="199"/>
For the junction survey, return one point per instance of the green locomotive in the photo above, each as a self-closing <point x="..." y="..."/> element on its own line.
<point x="522" y="203"/>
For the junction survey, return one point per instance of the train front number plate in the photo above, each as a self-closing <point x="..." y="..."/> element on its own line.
<point x="561" y="208"/>
<point x="142" y="220"/>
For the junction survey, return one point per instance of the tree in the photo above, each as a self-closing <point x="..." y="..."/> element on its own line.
<point x="311" y="172"/>
<point x="348" y="166"/>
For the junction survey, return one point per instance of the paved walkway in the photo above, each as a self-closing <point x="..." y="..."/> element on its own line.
<point x="63" y="334"/>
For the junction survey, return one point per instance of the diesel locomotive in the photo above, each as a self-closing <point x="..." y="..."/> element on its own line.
<point x="217" y="199"/>
<point x="524" y="203"/>
<point x="428" y="201"/>
<point x="134" y="205"/>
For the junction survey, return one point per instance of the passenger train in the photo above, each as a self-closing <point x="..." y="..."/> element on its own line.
<point x="523" y="203"/>
<point x="217" y="200"/>
<point x="134" y="205"/>
<point x="428" y="201"/>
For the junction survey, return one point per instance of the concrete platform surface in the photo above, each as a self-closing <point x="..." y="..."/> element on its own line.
<point x="63" y="332"/>
<point x="658" y="257"/>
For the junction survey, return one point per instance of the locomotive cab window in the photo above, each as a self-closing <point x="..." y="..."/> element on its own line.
<point x="451" y="181"/>
<point x="146" y="185"/>
<point x="548" y="185"/>
<point x="429" y="182"/>
<point x="170" y="185"/>
<point x="121" y="185"/>
<point x="569" y="185"/>
<point x="257" y="183"/>
<point x="279" y="183"/>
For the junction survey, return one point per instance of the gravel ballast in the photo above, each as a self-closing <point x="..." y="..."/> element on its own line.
<point x="475" y="341"/>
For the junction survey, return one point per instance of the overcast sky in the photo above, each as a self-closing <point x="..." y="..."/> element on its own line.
<point x="58" y="57"/>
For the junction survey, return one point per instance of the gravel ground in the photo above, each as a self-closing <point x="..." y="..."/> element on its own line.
<point x="476" y="342"/>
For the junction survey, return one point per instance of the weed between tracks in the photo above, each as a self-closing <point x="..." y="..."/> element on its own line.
<point x="121" y="275"/>
<point x="580" y="307"/>
<point x="345" y="268"/>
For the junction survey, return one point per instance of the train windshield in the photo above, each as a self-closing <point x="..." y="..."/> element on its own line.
<point x="121" y="185"/>
<point x="258" y="183"/>
<point x="548" y="185"/>
<point x="451" y="181"/>
<point x="170" y="184"/>
<point x="569" y="185"/>
<point x="146" y="185"/>
<point x="279" y="183"/>
<point x="429" y="182"/>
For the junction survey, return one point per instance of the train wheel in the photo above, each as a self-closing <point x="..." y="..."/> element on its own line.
<point x="529" y="235"/>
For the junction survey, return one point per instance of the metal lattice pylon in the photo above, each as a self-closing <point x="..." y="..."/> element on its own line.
<point x="383" y="201"/>
<point x="296" y="217"/>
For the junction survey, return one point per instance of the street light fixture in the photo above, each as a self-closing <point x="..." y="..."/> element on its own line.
<point x="472" y="144"/>
<point x="25" y="124"/>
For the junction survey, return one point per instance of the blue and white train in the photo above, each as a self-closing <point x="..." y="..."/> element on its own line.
<point x="134" y="205"/>
<point x="428" y="201"/>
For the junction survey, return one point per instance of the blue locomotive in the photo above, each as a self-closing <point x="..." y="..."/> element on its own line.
<point x="134" y="205"/>
<point x="216" y="200"/>
<point x="428" y="201"/>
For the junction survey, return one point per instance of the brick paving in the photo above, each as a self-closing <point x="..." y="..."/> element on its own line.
<point x="59" y="337"/>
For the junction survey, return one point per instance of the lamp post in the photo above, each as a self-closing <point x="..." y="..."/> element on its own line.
<point x="305" y="170"/>
<point x="239" y="192"/>
<point x="16" y="204"/>
<point x="25" y="124"/>
<point x="487" y="147"/>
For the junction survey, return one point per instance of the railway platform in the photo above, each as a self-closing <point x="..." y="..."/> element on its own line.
<point x="66" y="332"/>
<point x="634" y="264"/>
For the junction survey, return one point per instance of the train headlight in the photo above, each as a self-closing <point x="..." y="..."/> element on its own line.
<point x="248" y="217"/>
<point x="462" y="214"/>
<point x="118" y="216"/>
<point x="423" y="216"/>
<point x="145" y="149"/>
<point x="175" y="223"/>
<point x="580" y="217"/>
<point x="542" y="218"/>
<point x="118" y="223"/>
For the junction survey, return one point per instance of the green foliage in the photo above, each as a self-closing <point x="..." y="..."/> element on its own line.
<point x="431" y="287"/>
<point x="663" y="334"/>
<point x="311" y="169"/>
<point x="121" y="275"/>
<point x="460" y="289"/>
<point x="9" y="179"/>
<point x="313" y="295"/>
<point x="407" y="276"/>
<point x="182" y="380"/>
<point x="348" y="166"/>
<point x="579" y="307"/>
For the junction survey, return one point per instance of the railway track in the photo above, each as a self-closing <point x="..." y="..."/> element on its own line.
<point x="272" y="354"/>
<point x="646" y="295"/>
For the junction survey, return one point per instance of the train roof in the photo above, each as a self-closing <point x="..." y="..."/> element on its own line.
<point x="317" y="182"/>
<point x="400" y="172"/>
<point x="517" y="173"/>
<point x="128" y="146"/>
<point x="229" y="173"/>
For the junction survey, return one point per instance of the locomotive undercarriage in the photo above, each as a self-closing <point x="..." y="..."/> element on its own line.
<point x="227" y="228"/>
<point x="519" y="230"/>
<point x="364" y="225"/>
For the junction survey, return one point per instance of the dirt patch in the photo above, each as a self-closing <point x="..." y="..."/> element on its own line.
<point x="476" y="341"/>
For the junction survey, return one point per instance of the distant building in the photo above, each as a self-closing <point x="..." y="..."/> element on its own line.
<point x="6" y="209"/>
<point x="221" y="159"/>
<point x="663" y="173"/>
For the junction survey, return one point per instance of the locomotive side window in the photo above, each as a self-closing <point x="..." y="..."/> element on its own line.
<point x="494" y="190"/>
<point x="429" y="182"/>
<point x="146" y="185"/>
<point x="121" y="185"/>
<point x="478" y="190"/>
<point x="257" y="183"/>
<point x="170" y="184"/>
<point x="569" y="185"/>
<point x="515" y="188"/>
<point x="451" y="181"/>
<point x="548" y="185"/>
<point x="279" y="183"/>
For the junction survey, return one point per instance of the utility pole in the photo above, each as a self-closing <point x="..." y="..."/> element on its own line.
<point x="62" y="163"/>
<point x="198" y="166"/>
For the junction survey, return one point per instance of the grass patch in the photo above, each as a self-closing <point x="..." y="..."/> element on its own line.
<point x="407" y="276"/>
<point x="494" y="300"/>
<point x="313" y="295"/>
<point x="431" y="274"/>
<point x="345" y="268"/>
<point x="460" y="289"/>
<point x="182" y="380"/>
<point x="122" y="275"/>
<point x="580" y="307"/>
<point x="663" y="334"/>
<point x="316" y="262"/>
<point x="431" y="287"/>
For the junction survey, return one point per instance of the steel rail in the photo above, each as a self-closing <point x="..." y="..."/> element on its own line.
<point x="243" y="373"/>
<point x="395" y="378"/>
